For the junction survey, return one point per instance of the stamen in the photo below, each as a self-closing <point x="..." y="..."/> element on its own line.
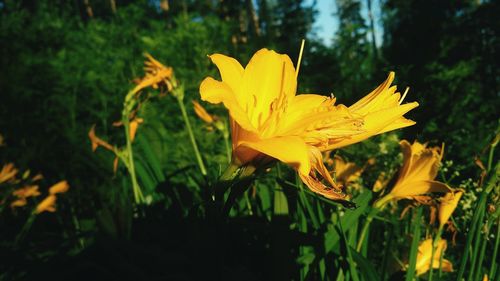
<point x="300" y="57"/>
<point x="404" y="95"/>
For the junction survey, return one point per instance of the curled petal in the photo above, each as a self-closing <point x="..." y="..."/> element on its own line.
<point x="96" y="141"/>
<point x="215" y="92"/>
<point x="319" y="174"/>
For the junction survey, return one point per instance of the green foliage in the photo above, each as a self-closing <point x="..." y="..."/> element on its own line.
<point x="69" y="65"/>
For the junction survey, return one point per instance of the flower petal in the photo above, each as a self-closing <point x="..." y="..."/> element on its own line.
<point x="448" y="204"/>
<point x="375" y="123"/>
<point x="268" y="77"/>
<point x="214" y="91"/>
<point x="329" y="189"/>
<point x="412" y="188"/>
<point x="290" y="150"/>
<point x="230" y="70"/>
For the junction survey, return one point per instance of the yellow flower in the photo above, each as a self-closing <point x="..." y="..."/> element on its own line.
<point x="416" y="176"/>
<point x="345" y="172"/>
<point x="47" y="204"/>
<point x="447" y="205"/>
<point x="60" y="187"/>
<point x="134" y="124"/>
<point x="27" y="191"/>
<point x="155" y="74"/>
<point x="269" y="121"/>
<point x="202" y="113"/>
<point x="8" y="172"/>
<point x="381" y="182"/>
<point x="424" y="257"/>
<point x="18" y="203"/>
<point x="2" y="143"/>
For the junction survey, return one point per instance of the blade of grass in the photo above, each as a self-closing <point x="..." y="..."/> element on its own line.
<point x="477" y="240"/>
<point x="478" y="270"/>
<point x="495" y="252"/>
<point x="350" y="260"/>
<point x="476" y="222"/>
<point x="410" y="273"/>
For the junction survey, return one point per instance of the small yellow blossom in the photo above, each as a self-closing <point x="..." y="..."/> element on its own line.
<point x="447" y="205"/>
<point x="345" y="172"/>
<point x="47" y="204"/>
<point x="60" y="187"/>
<point x="27" y="191"/>
<point x="270" y="122"/>
<point x="155" y="74"/>
<point x="134" y="124"/>
<point x="202" y="113"/>
<point x="381" y="182"/>
<point x="416" y="176"/>
<point x="8" y="172"/>
<point x="424" y="255"/>
<point x="37" y="177"/>
<point x="19" y="203"/>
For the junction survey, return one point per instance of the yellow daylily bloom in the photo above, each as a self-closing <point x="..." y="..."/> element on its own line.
<point x="416" y="176"/>
<point x="155" y="74"/>
<point x="8" y="172"/>
<point x="2" y="143"/>
<point x="447" y="205"/>
<point x="424" y="255"/>
<point x="60" y="187"/>
<point x="345" y="172"/>
<point x="37" y="177"/>
<point x="202" y="113"/>
<point x="27" y="191"/>
<point x="19" y="203"/>
<point x="269" y="121"/>
<point x="47" y="205"/>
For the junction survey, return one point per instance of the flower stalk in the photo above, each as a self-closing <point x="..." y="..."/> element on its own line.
<point x="178" y="93"/>
<point x="435" y="242"/>
<point x="129" y="162"/>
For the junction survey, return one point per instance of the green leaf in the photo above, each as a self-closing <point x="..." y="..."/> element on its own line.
<point x="331" y="237"/>
<point x="369" y="272"/>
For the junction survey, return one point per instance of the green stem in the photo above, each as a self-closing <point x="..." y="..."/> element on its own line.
<point x="410" y="273"/>
<point x="138" y="196"/>
<point x="26" y="227"/>
<point x="350" y="260"/>
<point x="308" y="207"/>
<point x="484" y="242"/>
<point x="495" y="251"/>
<point x="491" y="154"/>
<point x="191" y="137"/>
<point x="366" y="227"/>
<point x="477" y="240"/>
<point x="433" y="251"/>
